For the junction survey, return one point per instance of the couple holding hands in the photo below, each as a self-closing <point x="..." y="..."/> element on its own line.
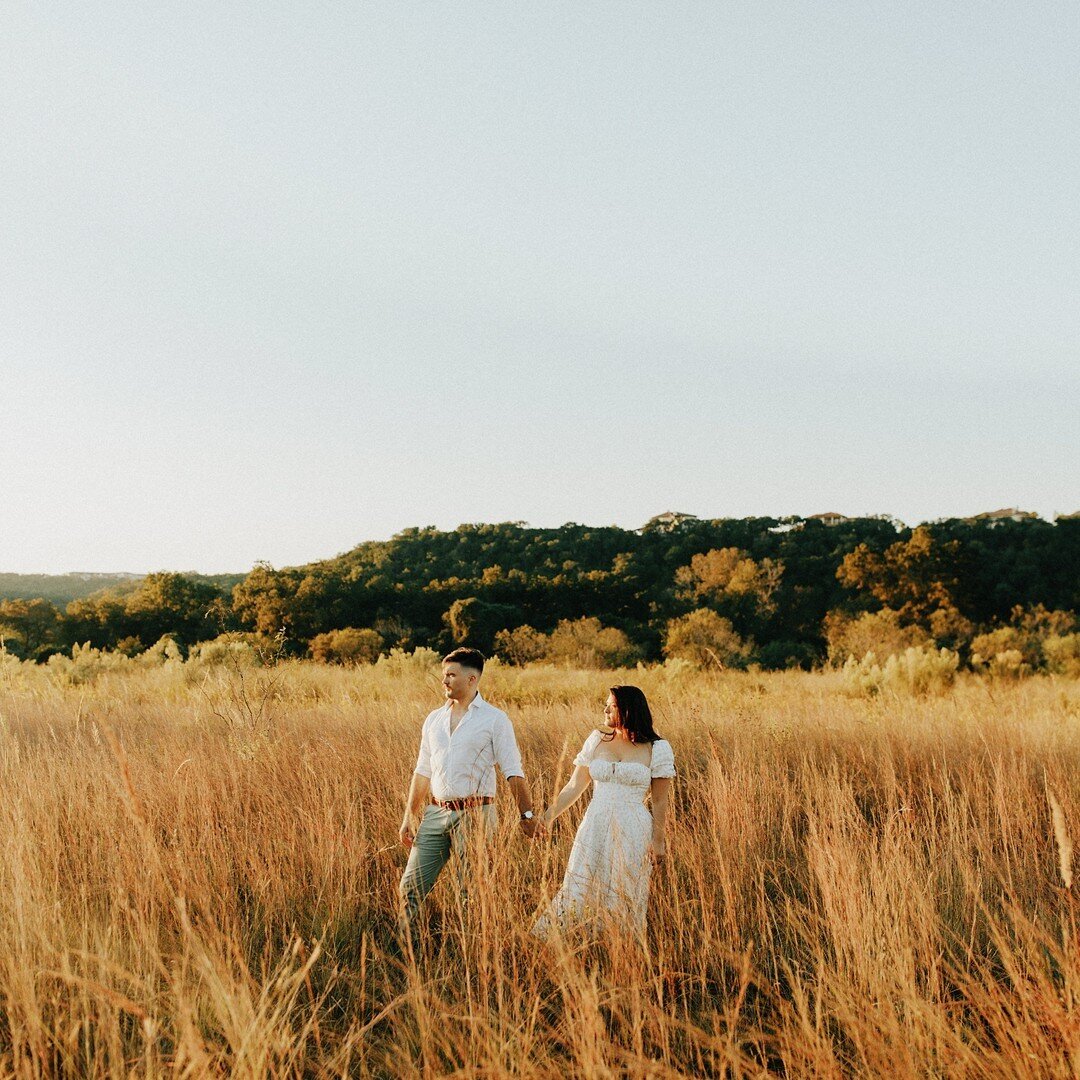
<point x="453" y="790"/>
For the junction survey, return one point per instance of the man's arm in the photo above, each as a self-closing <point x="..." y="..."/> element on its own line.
<point x="419" y="790"/>
<point x="523" y="797"/>
<point x="417" y="799"/>
<point x="508" y="756"/>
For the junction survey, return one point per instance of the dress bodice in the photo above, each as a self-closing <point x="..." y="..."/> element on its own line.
<point x="625" y="779"/>
<point x="632" y="776"/>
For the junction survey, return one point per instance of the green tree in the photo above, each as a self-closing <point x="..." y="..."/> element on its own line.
<point x="914" y="577"/>
<point x="776" y="581"/>
<point x="475" y="622"/>
<point x="729" y="579"/>
<point x="265" y="599"/>
<point x="172" y="605"/>
<point x="30" y="628"/>
<point x="100" y="620"/>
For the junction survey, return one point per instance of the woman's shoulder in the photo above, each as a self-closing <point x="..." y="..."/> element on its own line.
<point x="663" y="759"/>
<point x="589" y="747"/>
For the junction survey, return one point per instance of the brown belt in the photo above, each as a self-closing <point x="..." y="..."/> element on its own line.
<point x="464" y="804"/>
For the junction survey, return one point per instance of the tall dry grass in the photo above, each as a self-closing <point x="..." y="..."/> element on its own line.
<point x="198" y="877"/>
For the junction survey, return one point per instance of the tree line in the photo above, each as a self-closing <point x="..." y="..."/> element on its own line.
<point x="728" y="592"/>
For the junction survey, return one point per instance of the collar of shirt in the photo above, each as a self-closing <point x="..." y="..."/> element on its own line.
<point x="474" y="704"/>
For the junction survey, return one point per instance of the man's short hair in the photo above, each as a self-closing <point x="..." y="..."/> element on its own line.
<point x="470" y="658"/>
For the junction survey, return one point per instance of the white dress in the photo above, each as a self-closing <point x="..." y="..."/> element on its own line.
<point x="608" y="871"/>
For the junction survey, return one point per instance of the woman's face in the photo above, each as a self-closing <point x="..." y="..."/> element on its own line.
<point x="611" y="712"/>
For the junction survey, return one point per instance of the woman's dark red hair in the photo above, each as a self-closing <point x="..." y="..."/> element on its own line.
<point x="634" y="715"/>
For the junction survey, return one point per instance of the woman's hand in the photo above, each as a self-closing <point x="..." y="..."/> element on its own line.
<point x="657" y="849"/>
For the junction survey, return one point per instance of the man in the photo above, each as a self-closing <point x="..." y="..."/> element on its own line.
<point x="453" y="785"/>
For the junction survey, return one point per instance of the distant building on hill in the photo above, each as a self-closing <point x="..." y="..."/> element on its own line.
<point x="829" y="519"/>
<point x="90" y="575"/>
<point x="996" y="517"/>
<point x="667" y="521"/>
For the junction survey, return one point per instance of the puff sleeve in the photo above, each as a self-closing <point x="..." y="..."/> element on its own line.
<point x="663" y="760"/>
<point x="588" y="750"/>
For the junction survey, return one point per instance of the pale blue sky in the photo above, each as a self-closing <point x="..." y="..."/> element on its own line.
<point x="279" y="278"/>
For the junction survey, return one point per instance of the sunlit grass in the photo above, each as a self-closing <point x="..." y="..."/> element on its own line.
<point x="855" y="886"/>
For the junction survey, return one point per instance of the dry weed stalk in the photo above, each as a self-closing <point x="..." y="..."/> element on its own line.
<point x="1063" y="840"/>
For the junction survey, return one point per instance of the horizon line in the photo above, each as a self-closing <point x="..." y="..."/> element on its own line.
<point x="990" y="517"/>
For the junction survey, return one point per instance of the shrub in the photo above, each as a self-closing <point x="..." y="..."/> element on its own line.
<point x="986" y="648"/>
<point x="853" y="637"/>
<point x="163" y="651"/>
<point x="227" y="650"/>
<point x="776" y="655"/>
<point x="1042" y="622"/>
<point x="862" y="678"/>
<point x="85" y="665"/>
<point x="10" y="664"/>
<point x="922" y="669"/>
<point x="1008" y="664"/>
<point x="1038" y="635"/>
<point x="587" y="643"/>
<point x="1062" y="654"/>
<point x="707" y="640"/>
<point x="948" y="627"/>
<point x="130" y="646"/>
<point x="521" y="645"/>
<point x="917" y="670"/>
<point x="399" y="663"/>
<point x="676" y="669"/>
<point x="348" y="646"/>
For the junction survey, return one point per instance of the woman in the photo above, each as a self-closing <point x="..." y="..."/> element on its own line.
<point x="618" y="839"/>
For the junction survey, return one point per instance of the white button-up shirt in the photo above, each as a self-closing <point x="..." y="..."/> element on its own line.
<point x="463" y="764"/>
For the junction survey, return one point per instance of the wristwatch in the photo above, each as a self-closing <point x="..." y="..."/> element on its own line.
<point x="526" y="815"/>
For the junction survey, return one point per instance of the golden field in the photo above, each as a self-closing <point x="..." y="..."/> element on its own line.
<point x="198" y="871"/>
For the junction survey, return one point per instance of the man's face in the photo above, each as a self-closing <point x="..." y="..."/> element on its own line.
<point x="458" y="681"/>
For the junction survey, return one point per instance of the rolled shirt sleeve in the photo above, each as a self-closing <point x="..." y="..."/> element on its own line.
<point x="505" y="746"/>
<point x="423" y="759"/>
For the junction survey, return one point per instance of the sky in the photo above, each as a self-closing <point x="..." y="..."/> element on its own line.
<point x="276" y="279"/>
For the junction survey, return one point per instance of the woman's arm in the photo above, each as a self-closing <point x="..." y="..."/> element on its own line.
<point x="660" y="791"/>
<point x="574" y="789"/>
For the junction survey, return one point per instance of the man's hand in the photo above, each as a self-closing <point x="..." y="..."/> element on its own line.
<point x="531" y="827"/>
<point x="419" y="794"/>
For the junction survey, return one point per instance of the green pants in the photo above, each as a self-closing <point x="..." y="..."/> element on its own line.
<point x="442" y="833"/>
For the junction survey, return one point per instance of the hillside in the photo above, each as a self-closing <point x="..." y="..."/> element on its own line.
<point x="61" y="589"/>
<point x="732" y="591"/>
